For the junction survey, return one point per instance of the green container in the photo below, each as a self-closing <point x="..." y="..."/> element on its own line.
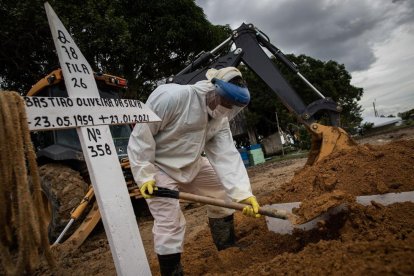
<point x="256" y="156"/>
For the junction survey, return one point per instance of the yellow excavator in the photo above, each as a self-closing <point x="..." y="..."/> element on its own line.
<point x="64" y="175"/>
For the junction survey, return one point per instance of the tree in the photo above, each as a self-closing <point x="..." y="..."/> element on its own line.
<point x="139" y="40"/>
<point x="365" y="127"/>
<point x="406" y="115"/>
<point x="329" y="77"/>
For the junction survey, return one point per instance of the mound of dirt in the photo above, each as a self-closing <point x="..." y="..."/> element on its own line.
<point x="362" y="170"/>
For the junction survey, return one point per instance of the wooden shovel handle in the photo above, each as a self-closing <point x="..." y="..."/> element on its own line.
<point x="274" y="213"/>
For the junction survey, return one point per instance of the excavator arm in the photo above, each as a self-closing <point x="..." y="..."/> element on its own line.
<point x="249" y="43"/>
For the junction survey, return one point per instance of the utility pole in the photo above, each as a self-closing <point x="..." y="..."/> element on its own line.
<point x="280" y="134"/>
<point x="375" y="111"/>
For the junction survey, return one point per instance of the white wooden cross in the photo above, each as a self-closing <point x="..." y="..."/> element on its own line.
<point x="91" y="115"/>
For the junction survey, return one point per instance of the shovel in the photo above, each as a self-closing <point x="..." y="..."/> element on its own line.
<point x="286" y="221"/>
<point x="268" y="212"/>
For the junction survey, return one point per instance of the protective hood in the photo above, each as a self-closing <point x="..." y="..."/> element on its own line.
<point x="203" y="87"/>
<point x="224" y="74"/>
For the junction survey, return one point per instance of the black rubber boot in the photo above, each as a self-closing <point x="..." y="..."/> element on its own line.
<point x="222" y="231"/>
<point x="170" y="265"/>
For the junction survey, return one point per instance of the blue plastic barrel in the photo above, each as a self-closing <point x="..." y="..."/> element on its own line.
<point x="256" y="146"/>
<point x="245" y="156"/>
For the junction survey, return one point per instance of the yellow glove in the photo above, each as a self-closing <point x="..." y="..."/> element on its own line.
<point x="253" y="210"/>
<point x="148" y="188"/>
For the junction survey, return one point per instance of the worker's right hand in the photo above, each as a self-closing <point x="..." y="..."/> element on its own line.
<point x="148" y="188"/>
<point x="251" y="210"/>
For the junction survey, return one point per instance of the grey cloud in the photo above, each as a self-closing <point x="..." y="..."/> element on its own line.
<point x="345" y="31"/>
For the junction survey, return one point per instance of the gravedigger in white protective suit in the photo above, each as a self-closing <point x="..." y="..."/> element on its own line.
<point x="168" y="154"/>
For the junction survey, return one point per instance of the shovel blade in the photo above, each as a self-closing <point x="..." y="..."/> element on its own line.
<point x="287" y="227"/>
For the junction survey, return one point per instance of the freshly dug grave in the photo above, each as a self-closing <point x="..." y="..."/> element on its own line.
<point x="362" y="240"/>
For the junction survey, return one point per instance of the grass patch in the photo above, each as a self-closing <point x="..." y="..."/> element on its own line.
<point x="288" y="156"/>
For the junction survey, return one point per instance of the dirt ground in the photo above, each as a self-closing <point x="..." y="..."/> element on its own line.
<point x="373" y="239"/>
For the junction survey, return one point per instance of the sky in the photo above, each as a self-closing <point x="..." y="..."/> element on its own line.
<point x="374" y="39"/>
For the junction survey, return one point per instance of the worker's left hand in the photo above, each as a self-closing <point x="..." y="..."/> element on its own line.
<point x="253" y="210"/>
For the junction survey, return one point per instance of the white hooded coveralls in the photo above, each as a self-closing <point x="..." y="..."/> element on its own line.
<point x="170" y="152"/>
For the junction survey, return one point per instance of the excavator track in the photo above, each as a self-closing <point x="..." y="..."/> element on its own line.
<point x="63" y="188"/>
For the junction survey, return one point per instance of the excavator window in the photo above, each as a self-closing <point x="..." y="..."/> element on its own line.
<point x="68" y="137"/>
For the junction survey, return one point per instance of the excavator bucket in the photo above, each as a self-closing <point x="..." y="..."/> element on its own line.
<point x="327" y="140"/>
